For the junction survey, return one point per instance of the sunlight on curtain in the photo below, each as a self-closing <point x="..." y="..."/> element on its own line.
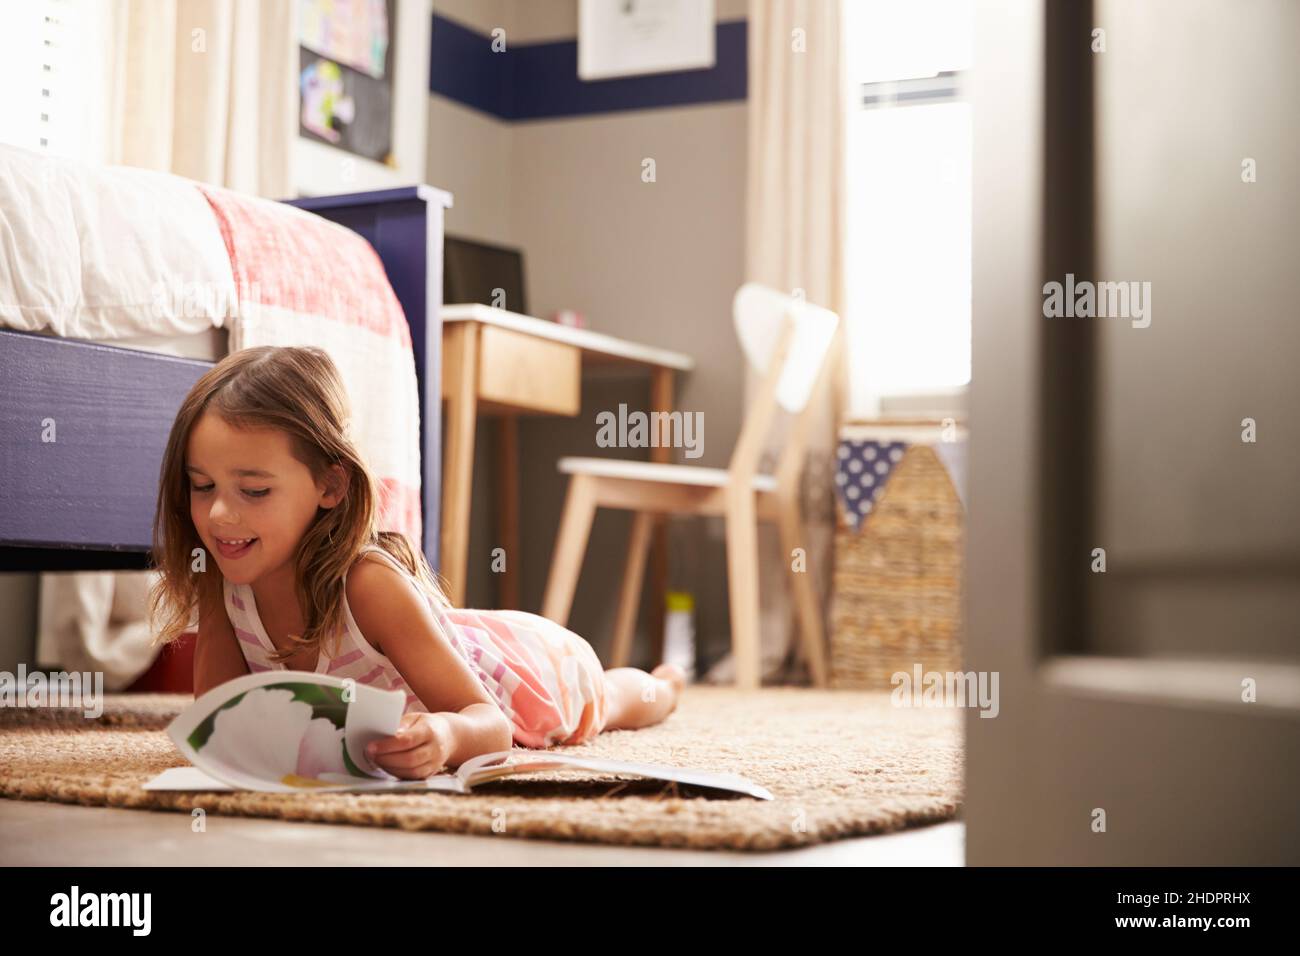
<point x="909" y="201"/>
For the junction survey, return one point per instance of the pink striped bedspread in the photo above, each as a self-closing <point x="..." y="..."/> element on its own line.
<point x="303" y="280"/>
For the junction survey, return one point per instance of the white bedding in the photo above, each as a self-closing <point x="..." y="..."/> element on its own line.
<point x="107" y="253"/>
<point x="210" y="345"/>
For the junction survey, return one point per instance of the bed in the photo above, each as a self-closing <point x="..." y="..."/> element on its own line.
<point x="84" y="421"/>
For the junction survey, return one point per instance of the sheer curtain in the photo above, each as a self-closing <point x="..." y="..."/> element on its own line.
<point x="205" y="89"/>
<point x="798" y="101"/>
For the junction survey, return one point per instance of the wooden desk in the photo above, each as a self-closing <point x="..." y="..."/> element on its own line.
<point x="506" y="364"/>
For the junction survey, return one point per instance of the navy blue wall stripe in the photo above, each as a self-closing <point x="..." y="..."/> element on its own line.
<point x="463" y="67"/>
<point x="538" y="80"/>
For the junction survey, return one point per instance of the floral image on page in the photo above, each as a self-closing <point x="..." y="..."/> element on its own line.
<point x="275" y="732"/>
<point x="307" y="748"/>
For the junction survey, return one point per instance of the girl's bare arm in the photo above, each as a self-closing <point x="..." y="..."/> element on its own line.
<point x="217" y="657"/>
<point x="392" y="614"/>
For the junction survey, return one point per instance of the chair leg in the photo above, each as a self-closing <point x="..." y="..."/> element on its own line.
<point x="794" y="535"/>
<point x="629" y="599"/>
<point x="742" y="581"/>
<point x="570" y="547"/>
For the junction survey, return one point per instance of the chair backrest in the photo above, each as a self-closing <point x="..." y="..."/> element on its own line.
<point x="786" y="340"/>
<point x="759" y="313"/>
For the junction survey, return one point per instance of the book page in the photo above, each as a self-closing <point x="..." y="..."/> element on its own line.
<point x="494" y="766"/>
<point x="286" y="731"/>
<point x="194" y="779"/>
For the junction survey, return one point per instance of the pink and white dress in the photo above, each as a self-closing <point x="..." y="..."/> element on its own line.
<point x="547" y="680"/>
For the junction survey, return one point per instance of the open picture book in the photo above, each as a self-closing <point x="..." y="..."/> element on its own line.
<point x="292" y="731"/>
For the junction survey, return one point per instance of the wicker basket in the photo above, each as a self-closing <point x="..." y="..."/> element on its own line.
<point x="898" y="579"/>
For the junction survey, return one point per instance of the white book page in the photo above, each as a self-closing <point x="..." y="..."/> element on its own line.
<point x="508" y="763"/>
<point x="288" y="731"/>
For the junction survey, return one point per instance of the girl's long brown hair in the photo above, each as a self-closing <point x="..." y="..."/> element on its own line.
<point x="297" y="390"/>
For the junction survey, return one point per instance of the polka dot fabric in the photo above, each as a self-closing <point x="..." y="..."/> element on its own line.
<point x="862" y="472"/>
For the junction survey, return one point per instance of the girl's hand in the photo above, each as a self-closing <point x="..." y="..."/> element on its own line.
<point x="419" y="749"/>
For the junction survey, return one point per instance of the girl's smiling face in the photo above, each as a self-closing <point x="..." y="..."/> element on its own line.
<point x="246" y="483"/>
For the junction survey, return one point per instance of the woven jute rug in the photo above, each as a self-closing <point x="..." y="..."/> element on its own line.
<point x="839" y="763"/>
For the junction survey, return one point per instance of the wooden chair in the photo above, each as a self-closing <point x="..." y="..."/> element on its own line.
<point x="787" y="341"/>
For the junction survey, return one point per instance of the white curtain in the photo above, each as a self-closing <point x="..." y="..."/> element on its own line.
<point x="798" y="101"/>
<point x="205" y="89"/>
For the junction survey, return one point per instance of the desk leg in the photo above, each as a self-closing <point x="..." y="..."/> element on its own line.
<point x="460" y="373"/>
<point x="661" y="400"/>
<point x="507" y="520"/>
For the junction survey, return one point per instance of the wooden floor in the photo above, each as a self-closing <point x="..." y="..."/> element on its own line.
<point x="38" y="833"/>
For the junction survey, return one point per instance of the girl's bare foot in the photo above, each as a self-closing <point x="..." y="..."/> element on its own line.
<point x="675" y="677"/>
<point x="637" y="699"/>
<point x="671" y="673"/>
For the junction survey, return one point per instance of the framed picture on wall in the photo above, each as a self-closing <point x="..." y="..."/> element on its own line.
<point x="631" y="37"/>
<point x="345" y="81"/>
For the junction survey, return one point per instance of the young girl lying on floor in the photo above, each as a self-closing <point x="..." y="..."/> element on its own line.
<point x="260" y="477"/>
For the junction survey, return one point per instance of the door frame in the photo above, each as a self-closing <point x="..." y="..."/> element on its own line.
<point x="1186" y="772"/>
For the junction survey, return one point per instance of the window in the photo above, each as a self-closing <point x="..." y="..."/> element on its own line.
<point x="52" y="60"/>
<point x="908" y="253"/>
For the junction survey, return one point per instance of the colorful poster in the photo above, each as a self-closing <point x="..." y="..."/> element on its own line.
<point x="349" y="32"/>
<point x="346" y="79"/>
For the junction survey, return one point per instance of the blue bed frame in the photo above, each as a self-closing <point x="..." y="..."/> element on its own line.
<point x="85" y="500"/>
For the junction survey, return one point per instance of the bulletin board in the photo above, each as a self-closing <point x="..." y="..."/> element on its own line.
<point x="345" y="80"/>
